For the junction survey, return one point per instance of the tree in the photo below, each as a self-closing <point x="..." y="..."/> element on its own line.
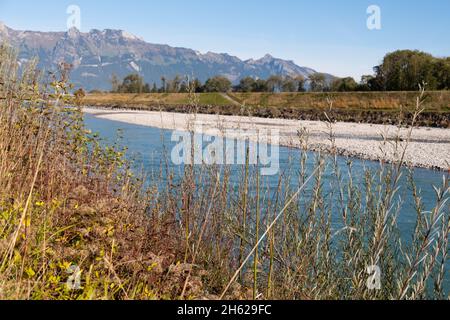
<point x="114" y="83"/>
<point x="300" y="83"/>
<point x="196" y="86"/>
<point x="146" y="88"/>
<point x="275" y="83"/>
<point x="184" y="86"/>
<point x="405" y="69"/>
<point x="246" y="84"/>
<point x="218" y="84"/>
<point x="344" y="85"/>
<point x="441" y="71"/>
<point x="317" y="82"/>
<point x="260" y="86"/>
<point x="289" y="85"/>
<point x="174" y="84"/>
<point x="132" y="83"/>
<point x="163" y="86"/>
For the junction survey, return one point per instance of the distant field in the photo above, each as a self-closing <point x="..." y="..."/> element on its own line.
<point x="151" y="99"/>
<point x="372" y="107"/>
<point x="437" y="101"/>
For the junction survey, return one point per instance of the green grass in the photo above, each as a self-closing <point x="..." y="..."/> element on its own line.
<point x="154" y="99"/>
<point x="366" y="101"/>
<point x="215" y="99"/>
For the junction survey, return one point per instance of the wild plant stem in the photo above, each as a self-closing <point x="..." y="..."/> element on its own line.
<point x="267" y="232"/>
<point x="255" y="263"/>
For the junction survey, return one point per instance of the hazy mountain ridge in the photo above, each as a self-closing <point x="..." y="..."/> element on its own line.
<point x="96" y="55"/>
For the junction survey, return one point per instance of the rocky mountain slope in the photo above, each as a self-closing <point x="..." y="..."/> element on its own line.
<point x="96" y="55"/>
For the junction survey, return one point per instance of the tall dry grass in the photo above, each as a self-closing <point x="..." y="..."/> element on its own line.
<point x="76" y="223"/>
<point x="307" y="240"/>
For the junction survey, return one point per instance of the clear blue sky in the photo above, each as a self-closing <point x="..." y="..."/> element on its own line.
<point x="329" y="36"/>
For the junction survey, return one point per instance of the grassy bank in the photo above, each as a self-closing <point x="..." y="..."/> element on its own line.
<point x="169" y="99"/>
<point x="76" y="223"/>
<point x="360" y="101"/>
<point x="367" y="107"/>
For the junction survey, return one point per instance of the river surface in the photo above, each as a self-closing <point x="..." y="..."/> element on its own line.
<point x="147" y="147"/>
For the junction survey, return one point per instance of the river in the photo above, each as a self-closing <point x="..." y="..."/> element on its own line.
<point x="146" y="147"/>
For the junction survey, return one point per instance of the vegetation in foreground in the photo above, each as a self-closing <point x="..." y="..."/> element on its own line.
<point x="76" y="224"/>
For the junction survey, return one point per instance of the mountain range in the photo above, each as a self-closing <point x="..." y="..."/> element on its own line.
<point x="96" y="55"/>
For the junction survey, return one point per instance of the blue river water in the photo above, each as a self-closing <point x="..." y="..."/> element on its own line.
<point x="148" y="146"/>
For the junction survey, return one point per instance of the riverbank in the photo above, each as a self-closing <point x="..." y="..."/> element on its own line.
<point x="354" y="107"/>
<point x="428" y="147"/>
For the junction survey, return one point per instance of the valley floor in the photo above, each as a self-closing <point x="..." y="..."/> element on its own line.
<point x="427" y="148"/>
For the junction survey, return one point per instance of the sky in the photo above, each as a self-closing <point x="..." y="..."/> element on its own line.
<point x="327" y="35"/>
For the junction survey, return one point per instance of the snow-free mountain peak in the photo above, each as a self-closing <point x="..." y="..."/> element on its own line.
<point x="97" y="55"/>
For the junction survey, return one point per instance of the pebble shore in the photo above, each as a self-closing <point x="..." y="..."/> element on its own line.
<point x="427" y="148"/>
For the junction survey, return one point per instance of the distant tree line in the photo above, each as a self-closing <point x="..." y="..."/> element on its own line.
<point x="404" y="70"/>
<point x="134" y="83"/>
<point x="401" y="70"/>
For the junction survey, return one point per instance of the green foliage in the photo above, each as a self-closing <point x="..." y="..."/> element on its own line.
<point x="133" y="83"/>
<point x="212" y="99"/>
<point x="272" y="84"/>
<point x="400" y="71"/>
<point x="289" y="85"/>
<point x="196" y="86"/>
<point x="275" y="83"/>
<point x="246" y="85"/>
<point x="217" y="84"/>
<point x="318" y="82"/>
<point x="405" y="70"/>
<point x="344" y="85"/>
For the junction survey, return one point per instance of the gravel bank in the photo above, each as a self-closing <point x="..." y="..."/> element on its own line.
<point x="429" y="147"/>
